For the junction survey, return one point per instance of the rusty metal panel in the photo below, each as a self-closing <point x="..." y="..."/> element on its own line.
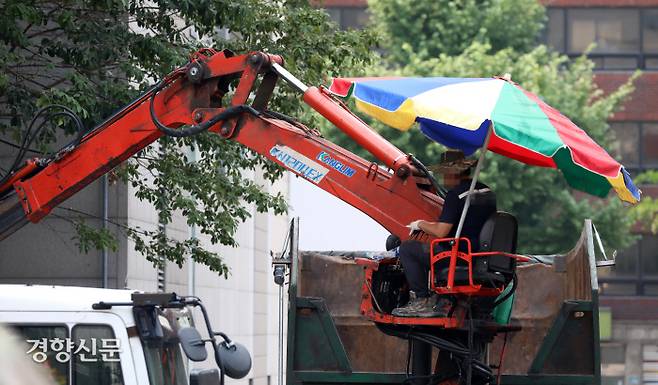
<point x="536" y="303"/>
<point x="338" y="280"/>
<point x="542" y="292"/>
<point x="543" y="289"/>
<point x="333" y="277"/>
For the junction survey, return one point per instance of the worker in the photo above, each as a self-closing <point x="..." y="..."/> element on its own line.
<point x="415" y="255"/>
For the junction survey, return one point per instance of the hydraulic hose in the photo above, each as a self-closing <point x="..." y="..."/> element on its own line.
<point x="228" y="113"/>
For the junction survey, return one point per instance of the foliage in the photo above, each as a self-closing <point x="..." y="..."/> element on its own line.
<point x="646" y="212"/>
<point x="429" y="28"/>
<point x="88" y="237"/>
<point x="550" y="214"/>
<point x="95" y="56"/>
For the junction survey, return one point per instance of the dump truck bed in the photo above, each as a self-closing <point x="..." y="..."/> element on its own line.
<point x="556" y="305"/>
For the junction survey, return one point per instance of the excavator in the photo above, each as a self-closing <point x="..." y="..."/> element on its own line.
<point x="227" y="94"/>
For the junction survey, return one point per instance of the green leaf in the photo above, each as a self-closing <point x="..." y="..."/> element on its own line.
<point x="484" y="38"/>
<point x="93" y="60"/>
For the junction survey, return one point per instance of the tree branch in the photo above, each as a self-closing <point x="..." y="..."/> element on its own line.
<point x="27" y="79"/>
<point x="45" y="31"/>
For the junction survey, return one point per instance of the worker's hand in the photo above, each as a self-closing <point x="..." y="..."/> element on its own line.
<point x="414" y="226"/>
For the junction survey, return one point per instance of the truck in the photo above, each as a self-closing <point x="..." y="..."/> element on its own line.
<point x="228" y="94"/>
<point x="106" y="336"/>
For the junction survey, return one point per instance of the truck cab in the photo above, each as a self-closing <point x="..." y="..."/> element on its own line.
<point x="102" y="336"/>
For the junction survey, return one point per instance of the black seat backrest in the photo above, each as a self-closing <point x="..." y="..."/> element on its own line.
<point x="499" y="233"/>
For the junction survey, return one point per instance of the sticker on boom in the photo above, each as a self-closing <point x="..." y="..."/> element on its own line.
<point x="298" y="163"/>
<point x="344" y="169"/>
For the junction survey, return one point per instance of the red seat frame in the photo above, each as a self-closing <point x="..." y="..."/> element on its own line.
<point x="471" y="289"/>
<point x="369" y="311"/>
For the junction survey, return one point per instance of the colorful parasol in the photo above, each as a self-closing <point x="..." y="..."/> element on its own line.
<point x="466" y="113"/>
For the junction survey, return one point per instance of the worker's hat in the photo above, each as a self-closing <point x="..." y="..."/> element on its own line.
<point x="453" y="162"/>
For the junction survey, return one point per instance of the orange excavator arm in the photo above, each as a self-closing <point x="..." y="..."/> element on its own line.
<point x="190" y="100"/>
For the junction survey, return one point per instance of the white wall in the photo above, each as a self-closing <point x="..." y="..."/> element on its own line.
<point x="244" y="306"/>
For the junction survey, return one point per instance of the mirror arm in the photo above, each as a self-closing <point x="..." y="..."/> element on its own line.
<point x="201" y="342"/>
<point x="228" y="341"/>
<point x="197" y="302"/>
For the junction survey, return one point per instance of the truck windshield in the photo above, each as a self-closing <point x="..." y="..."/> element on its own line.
<point x="165" y="360"/>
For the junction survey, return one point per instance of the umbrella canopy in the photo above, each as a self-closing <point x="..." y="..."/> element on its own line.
<point x="459" y="112"/>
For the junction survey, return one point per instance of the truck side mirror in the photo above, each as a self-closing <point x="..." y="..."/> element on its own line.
<point x="235" y="359"/>
<point x="204" y="377"/>
<point x="193" y="345"/>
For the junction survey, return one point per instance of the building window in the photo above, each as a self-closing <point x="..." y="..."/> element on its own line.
<point x="613" y="353"/>
<point x="635" y="271"/>
<point x="650" y="364"/>
<point x="555" y="36"/>
<point x="349" y="17"/>
<point x="613" y="30"/>
<point x="613" y="363"/>
<point x="650" y="31"/>
<point x="625" y="38"/>
<point x="650" y="144"/>
<point x="637" y="145"/>
<point x="628" y="142"/>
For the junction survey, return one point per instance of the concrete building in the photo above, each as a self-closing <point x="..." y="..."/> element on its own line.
<point x="626" y="37"/>
<point x="245" y="306"/>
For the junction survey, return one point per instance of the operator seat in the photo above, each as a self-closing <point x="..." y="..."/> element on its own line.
<point x="499" y="233"/>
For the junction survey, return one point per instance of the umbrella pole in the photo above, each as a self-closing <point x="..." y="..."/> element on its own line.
<point x="478" y="167"/>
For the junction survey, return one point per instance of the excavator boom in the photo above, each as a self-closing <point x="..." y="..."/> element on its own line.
<point x="191" y="100"/>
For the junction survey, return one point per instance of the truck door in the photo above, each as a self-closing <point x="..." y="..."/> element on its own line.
<point x="77" y="348"/>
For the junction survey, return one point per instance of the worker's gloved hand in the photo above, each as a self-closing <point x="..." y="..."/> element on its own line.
<point x="413" y="226"/>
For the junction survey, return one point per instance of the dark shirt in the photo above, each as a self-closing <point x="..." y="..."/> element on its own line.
<point x="482" y="206"/>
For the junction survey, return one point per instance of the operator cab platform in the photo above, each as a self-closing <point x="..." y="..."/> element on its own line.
<point x="479" y="281"/>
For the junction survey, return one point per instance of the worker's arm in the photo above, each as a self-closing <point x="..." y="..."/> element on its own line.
<point x="437" y="229"/>
<point x="449" y="216"/>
